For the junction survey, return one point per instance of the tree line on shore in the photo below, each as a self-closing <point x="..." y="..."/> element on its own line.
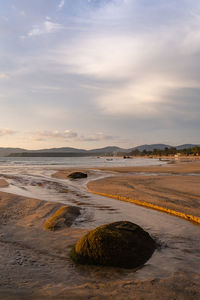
<point x="167" y="151"/>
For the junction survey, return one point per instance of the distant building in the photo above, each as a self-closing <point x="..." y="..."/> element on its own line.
<point x="177" y="156"/>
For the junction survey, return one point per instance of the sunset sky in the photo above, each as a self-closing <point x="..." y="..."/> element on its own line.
<point x="89" y="74"/>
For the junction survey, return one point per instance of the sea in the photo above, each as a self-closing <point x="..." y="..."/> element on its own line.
<point x="78" y="161"/>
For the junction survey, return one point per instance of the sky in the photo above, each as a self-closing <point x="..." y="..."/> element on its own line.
<point x="93" y="73"/>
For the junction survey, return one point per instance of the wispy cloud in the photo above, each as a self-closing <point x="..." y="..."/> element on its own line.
<point x="6" y="131"/>
<point x="144" y="67"/>
<point x="56" y="134"/>
<point x="103" y="55"/>
<point x="46" y="28"/>
<point x="100" y="136"/>
<point x="22" y="13"/>
<point x="69" y="135"/>
<point x="4" y="76"/>
<point x="61" y="4"/>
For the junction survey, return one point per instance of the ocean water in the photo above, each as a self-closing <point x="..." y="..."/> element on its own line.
<point x="78" y="161"/>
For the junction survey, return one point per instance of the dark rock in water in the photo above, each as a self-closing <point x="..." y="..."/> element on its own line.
<point x="120" y="244"/>
<point x="77" y="175"/>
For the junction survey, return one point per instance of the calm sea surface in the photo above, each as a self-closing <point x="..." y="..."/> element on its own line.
<point x="78" y="161"/>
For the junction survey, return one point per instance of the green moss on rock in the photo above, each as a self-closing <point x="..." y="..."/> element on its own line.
<point x="121" y="244"/>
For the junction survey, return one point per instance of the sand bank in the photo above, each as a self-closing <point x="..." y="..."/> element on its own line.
<point x="178" y="193"/>
<point x="163" y="190"/>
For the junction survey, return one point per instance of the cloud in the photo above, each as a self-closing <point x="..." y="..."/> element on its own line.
<point x="61" y="4"/>
<point x="100" y="136"/>
<point x="69" y="135"/>
<point x="44" y="135"/>
<point x="46" y="28"/>
<point x="6" y="131"/>
<point x="4" y="76"/>
<point x="143" y="97"/>
<point x="135" y="67"/>
<point x="22" y="13"/>
<point x="103" y="56"/>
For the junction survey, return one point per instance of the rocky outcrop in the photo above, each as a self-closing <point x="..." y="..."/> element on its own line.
<point x="121" y="244"/>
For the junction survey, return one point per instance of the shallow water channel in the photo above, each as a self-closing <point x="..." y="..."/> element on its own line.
<point x="179" y="239"/>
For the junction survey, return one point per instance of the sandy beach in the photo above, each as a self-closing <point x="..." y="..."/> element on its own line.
<point x="176" y="187"/>
<point x="35" y="263"/>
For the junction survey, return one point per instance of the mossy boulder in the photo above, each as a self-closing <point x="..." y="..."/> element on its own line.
<point x="77" y="175"/>
<point x="120" y="244"/>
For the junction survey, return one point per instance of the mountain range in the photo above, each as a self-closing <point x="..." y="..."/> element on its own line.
<point x="69" y="151"/>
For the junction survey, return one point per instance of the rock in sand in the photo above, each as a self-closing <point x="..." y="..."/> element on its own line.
<point x="77" y="175"/>
<point x="120" y="244"/>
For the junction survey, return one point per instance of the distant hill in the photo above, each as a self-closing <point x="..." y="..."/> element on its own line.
<point x="60" y="150"/>
<point x="69" y="151"/>
<point x="48" y="154"/>
<point x="186" y="146"/>
<point x="109" y="149"/>
<point x="7" y="151"/>
<point x="150" y="147"/>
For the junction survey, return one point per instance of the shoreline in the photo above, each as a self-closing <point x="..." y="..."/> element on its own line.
<point x="177" y="167"/>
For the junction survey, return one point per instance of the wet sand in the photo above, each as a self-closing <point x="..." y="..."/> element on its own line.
<point x="32" y="259"/>
<point x="179" y="193"/>
<point x="175" y="187"/>
<point x="35" y="264"/>
<point x="3" y="183"/>
<point x="172" y="167"/>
